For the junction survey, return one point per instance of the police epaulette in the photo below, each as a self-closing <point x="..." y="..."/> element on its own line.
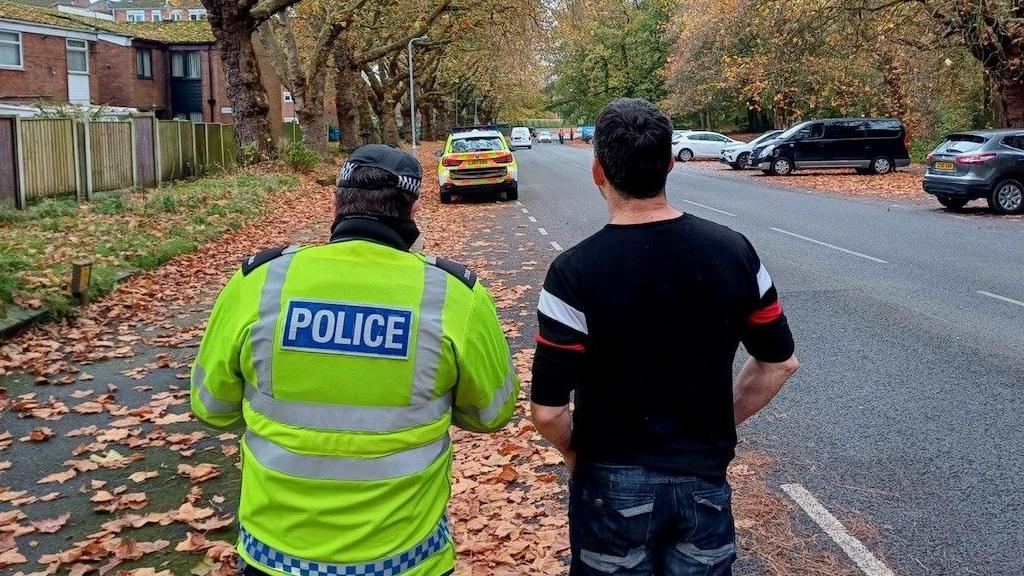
<point x="260" y="258"/>
<point x="464" y="274"/>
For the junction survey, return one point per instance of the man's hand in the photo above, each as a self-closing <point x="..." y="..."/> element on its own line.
<point x="757" y="384"/>
<point x="555" y="424"/>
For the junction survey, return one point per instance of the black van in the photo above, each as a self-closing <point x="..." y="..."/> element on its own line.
<point x="870" y="145"/>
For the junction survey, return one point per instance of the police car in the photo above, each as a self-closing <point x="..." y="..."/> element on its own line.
<point x="477" y="161"/>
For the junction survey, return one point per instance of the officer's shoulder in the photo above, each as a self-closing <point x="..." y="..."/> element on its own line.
<point x="459" y="271"/>
<point x="260" y="258"/>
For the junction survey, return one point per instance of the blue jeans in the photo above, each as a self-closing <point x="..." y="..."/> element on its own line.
<point x="632" y="521"/>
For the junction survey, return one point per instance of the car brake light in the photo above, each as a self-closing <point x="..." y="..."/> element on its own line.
<point x="449" y="161"/>
<point x="504" y="158"/>
<point x="975" y="158"/>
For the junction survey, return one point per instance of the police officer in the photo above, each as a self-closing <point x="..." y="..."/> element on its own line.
<point x="347" y="363"/>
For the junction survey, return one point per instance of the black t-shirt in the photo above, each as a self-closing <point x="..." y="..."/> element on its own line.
<point x="643" y="323"/>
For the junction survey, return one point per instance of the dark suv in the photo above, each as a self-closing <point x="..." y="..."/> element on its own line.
<point x="870" y="145"/>
<point x="985" y="164"/>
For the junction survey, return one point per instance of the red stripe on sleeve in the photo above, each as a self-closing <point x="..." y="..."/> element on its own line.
<point x="571" y="347"/>
<point x="766" y="315"/>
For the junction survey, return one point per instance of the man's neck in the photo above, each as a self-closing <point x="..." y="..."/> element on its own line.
<point x="625" y="210"/>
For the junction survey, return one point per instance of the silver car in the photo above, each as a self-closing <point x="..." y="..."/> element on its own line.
<point x="985" y="164"/>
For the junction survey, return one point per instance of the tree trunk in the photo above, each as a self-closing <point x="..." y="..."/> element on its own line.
<point x="245" y="88"/>
<point x="407" y="123"/>
<point x="426" y="117"/>
<point x="310" y="112"/>
<point x="388" y="124"/>
<point x="347" y="108"/>
<point x="368" y="130"/>
<point x="1011" y="92"/>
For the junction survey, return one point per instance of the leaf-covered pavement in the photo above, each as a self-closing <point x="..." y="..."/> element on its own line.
<point x="103" y="469"/>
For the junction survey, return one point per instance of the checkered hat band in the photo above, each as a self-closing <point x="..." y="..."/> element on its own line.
<point x="391" y="566"/>
<point x="407" y="183"/>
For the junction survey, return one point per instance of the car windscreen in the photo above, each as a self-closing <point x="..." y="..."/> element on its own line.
<point x="765" y="137"/>
<point x="958" y="143"/>
<point x="480" y="144"/>
<point x="793" y="130"/>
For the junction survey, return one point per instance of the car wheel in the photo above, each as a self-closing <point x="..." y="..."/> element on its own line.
<point x="530" y="147"/>
<point x="685" y="155"/>
<point x="881" y="165"/>
<point x="782" y="166"/>
<point x="953" y="203"/>
<point x="446" y="198"/>
<point x="512" y="194"/>
<point x="1008" y="197"/>
<point x="741" y="161"/>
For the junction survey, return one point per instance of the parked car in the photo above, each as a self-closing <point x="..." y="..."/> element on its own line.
<point x="869" y="145"/>
<point x="985" y="164"/>
<point x="521" y="138"/>
<point x="477" y="161"/>
<point x="544" y="136"/>
<point x="738" y="157"/>
<point x="690" y="144"/>
<point x="587" y="133"/>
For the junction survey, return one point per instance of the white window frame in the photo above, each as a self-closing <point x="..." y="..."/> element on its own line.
<point x="197" y="14"/>
<point x="156" y="16"/>
<point x="21" y="51"/>
<point x="135" y="15"/>
<point x="85" y="50"/>
<point x="176" y="15"/>
<point x="287" y="96"/>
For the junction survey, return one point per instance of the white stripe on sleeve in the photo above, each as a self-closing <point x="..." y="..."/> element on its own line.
<point x="553" y="307"/>
<point x="764" y="281"/>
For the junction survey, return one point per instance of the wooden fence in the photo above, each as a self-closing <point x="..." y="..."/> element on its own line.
<point x="41" y="158"/>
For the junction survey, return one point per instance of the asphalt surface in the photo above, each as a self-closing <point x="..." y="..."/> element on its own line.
<point x="905" y="418"/>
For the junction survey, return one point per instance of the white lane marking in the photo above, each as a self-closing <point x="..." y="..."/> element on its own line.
<point x="855" y="549"/>
<point x="958" y="217"/>
<point x="542" y="231"/>
<point x="556" y="245"/>
<point x="532" y="219"/>
<point x="709" y="208"/>
<point x="519" y="203"/>
<point x="832" y="246"/>
<point x="1003" y="298"/>
<point x="525" y="211"/>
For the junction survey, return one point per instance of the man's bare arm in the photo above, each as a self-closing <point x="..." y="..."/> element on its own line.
<point x="756" y="385"/>
<point x="555" y="424"/>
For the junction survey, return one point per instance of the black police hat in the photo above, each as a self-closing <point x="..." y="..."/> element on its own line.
<point x="387" y="158"/>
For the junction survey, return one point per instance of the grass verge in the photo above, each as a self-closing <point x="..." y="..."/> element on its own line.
<point x="120" y="231"/>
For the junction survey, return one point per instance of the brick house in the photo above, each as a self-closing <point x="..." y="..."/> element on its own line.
<point x="171" y="68"/>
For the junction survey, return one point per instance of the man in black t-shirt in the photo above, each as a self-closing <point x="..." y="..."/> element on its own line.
<point x="641" y="322"/>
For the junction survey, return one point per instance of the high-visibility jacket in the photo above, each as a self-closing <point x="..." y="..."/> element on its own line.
<point x="347" y="363"/>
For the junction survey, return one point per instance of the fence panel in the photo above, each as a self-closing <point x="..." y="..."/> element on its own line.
<point x="48" y="147"/>
<point x="188" y="151"/>
<point x="144" y="152"/>
<point x="110" y="144"/>
<point x="215" y="145"/>
<point x="202" y="151"/>
<point x="170" y="157"/>
<point x="229" y="147"/>
<point x="8" y="164"/>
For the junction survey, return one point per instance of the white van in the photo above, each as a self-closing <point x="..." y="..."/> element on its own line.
<point x="521" y="137"/>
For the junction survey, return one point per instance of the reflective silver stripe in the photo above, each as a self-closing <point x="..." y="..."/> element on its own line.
<point x="555" y="308"/>
<point x="394" y="465"/>
<point x="429" y="337"/>
<point x="490" y="413"/>
<point x="270" y="308"/>
<point x="347" y="418"/>
<point x="764" y="280"/>
<point x="210" y="403"/>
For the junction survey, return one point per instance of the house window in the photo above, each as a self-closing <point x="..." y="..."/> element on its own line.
<point x="196" y="15"/>
<point x="176" y="15"/>
<point x="288" y="97"/>
<point x="136" y="15"/>
<point x="144" y="63"/>
<point x="78" y="56"/>
<point x="156" y="15"/>
<point x="10" y="49"/>
<point x="185" y="64"/>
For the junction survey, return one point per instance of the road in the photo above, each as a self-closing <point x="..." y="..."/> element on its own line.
<point x="909" y="323"/>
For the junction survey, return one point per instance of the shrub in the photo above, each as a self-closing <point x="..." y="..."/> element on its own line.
<point x="10" y="215"/>
<point x="53" y="208"/>
<point x="300" y="157"/>
<point x="113" y="204"/>
<point x="162" y="253"/>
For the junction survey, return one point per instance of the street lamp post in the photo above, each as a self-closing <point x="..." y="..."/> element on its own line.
<point x="412" y="91"/>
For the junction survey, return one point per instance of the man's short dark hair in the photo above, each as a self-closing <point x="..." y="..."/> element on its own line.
<point x="374" y="191"/>
<point x="633" y="143"/>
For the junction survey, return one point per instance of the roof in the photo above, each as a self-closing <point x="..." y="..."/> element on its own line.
<point x="37" y="15"/>
<point x="991" y="132"/>
<point x="477" y="134"/>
